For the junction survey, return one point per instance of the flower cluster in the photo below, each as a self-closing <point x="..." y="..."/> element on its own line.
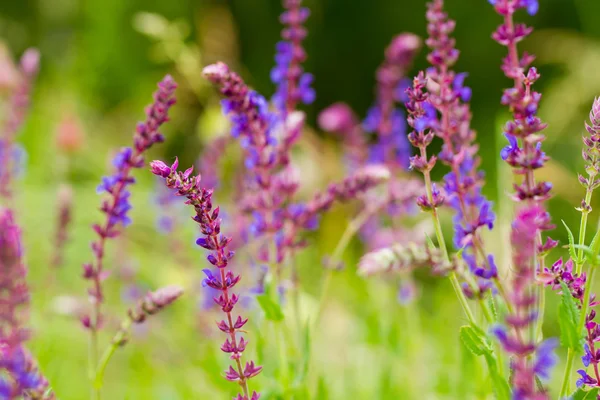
<point x="189" y="186"/>
<point x="402" y="257"/>
<point x="253" y="124"/>
<point x="421" y="116"/>
<point x="293" y="84"/>
<point x="385" y="118"/>
<point x="591" y="156"/>
<point x="154" y="302"/>
<point x="116" y="206"/>
<point x="10" y="154"/>
<point x="525" y="229"/>
<point x="523" y="152"/>
<point x="18" y="376"/>
<point x="463" y="184"/>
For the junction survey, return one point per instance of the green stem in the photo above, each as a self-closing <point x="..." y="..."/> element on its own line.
<point x="564" y="389"/>
<point x="116" y="342"/>
<point x="453" y="279"/>
<point x="92" y="360"/>
<point x="582" y="229"/>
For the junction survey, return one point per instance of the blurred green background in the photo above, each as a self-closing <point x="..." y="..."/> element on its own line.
<point x="100" y="62"/>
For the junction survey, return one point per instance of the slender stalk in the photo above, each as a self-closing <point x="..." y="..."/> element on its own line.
<point x="98" y="376"/>
<point x="442" y="244"/>
<point x="582" y="229"/>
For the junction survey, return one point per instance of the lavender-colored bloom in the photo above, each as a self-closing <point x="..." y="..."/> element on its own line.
<point x="116" y="205"/>
<point x="252" y="124"/>
<point x="525" y="230"/>
<point x="10" y="153"/>
<point x="523" y="152"/>
<point x="293" y="84"/>
<point x="213" y="240"/>
<point x="154" y="302"/>
<point x="391" y="148"/>
<point x="451" y="119"/>
<point x="18" y="375"/>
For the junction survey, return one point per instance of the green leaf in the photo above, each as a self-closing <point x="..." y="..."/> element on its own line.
<point x="572" y="252"/>
<point x="501" y="388"/>
<point x="474" y="340"/>
<point x="271" y="309"/>
<point x="568" y="320"/>
<point x="477" y="342"/>
<point x="581" y="394"/>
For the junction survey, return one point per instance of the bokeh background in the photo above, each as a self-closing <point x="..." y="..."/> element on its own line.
<point x="100" y="62"/>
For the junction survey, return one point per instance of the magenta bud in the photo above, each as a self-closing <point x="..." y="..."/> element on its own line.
<point x="160" y="168"/>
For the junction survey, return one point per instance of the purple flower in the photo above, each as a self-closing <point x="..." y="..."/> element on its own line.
<point x="384" y="117"/>
<point x="224" y="281"/>
<point x="525" y="229"/>
<point x="116" y="206"/>
<point x="293" y="84"/>
<point x="18" y="106"/>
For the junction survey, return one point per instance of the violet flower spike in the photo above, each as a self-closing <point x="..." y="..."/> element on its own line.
<point x="463" y="185"/>
<point x="523" y="152"/>
<point x="212" y="239"/>
<point x="116" y="206"/>
<point x="18" y="371"/>
<point x="525" y="229"/>
<point x="392" y="148"/>
<point x="252" y="125"/>
<point x="293" y="84"/>
<point x="10" y="154"/>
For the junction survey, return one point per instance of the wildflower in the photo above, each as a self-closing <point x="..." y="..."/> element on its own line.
<point x="219" y="256"/>
<point x="463" y="184"/>
<point x="525" y="229"/>
<point x="18" y="373"/>
<point x="154" y="302"/>
<point x="10" y="154"/>
<point x="116" y="206"/>
<point x="523" y="152"/>
<point x="293" y="84"/>
<point x="385" y="118"/>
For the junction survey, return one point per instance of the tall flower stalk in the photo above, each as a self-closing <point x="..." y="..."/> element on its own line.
<point x="19" y="375"/>
<point x="420" y="119"/>
<point x="530" y="359"/>
<point x="116" y="206"/>
<point x="463" y="184"/>
<point x="591" y="156"/>
<point x="200" y="198"/>
<point x="293" y="84"/>
<point x="19" y="103"/>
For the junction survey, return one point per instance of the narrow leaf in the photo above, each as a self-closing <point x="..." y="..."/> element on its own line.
<point x="568" y="319"/>
<point x="572" y="252"/>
